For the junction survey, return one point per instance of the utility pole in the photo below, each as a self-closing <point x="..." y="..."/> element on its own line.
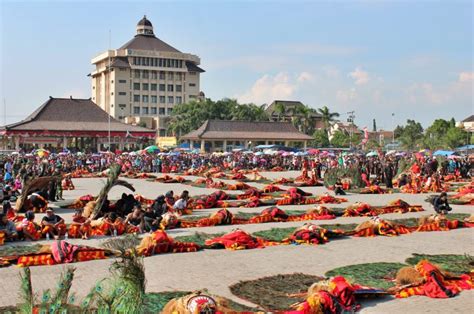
<point x="350" y="119"/>
<point x="4" y="112"/>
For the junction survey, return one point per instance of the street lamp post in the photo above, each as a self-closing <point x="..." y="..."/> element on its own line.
<point x="393" y="126"/>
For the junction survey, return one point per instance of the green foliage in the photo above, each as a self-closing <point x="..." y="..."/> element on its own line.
<point x="321" y="138"/>
<point x="410" y="135"/>
<point x="456" y="137"/>
<point x="444" y="134"/>
<point x="340" y="139"/>
<point x="189" y="116"/>
<point x="377" y="275"/>
<point x="457" y="264"/>
<point x="372" y="144"/>
<point x="327" y="116"/>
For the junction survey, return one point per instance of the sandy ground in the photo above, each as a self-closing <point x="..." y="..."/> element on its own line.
<point x="216" y="270"/>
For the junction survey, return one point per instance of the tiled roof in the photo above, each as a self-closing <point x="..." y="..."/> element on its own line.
<point x="237" y="130"/>
<point x="68" y="114"/>
<point x="146" y="42"/>
<point x="469" y="119"/>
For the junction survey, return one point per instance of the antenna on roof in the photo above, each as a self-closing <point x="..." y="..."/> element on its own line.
<point x="4" y="112"/>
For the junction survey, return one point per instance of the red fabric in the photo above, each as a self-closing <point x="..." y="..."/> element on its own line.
<point x="63" y="252"/>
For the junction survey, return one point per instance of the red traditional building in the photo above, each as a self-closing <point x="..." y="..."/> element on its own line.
<point x="73" y="123"/>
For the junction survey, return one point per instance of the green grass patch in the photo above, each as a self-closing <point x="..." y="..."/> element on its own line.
<point x="198" y="237"/>
<point x="377" y="275"/>
<point x="274" y="293"/>
<point x="457" y="264"/>
<point x="275" y="234"/>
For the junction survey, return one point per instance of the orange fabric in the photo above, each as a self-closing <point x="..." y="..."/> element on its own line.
<point x="35" y="260"/>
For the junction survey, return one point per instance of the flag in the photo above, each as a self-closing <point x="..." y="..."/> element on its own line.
<point x="366" y="136"/>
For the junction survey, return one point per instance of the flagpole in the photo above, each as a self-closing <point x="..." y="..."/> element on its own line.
<point x="109" y="94"/>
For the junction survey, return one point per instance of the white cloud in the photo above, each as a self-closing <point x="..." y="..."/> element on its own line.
<point x="281" y="86"/>
<point x="360" y="76"/>
<point x="331" y="71"/>
<point x="305" y="76"/>
<point x="466" y="77"/>
<point x="426" y="93"/>
<point x="345" y="96"/>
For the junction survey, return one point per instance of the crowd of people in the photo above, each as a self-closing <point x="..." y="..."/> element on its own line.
<point x="127" y="213"/>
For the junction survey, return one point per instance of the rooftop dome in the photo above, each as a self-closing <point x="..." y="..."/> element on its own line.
<point x="144" y="27"/>
<point x="144" y="22"/>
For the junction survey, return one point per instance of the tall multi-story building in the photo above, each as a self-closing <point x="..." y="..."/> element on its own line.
<point x="143" y="80"/>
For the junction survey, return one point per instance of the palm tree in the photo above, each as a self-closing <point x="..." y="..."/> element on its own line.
<point x="280" y="109"/>
<point x="327" y="116"/>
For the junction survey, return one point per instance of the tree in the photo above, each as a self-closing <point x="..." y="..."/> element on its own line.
<point x="327" y="116"/>
<point x="320" y="138"/>
<point x="374" y="125"/>
<point x="189" y="116"/>
<point x="455" y="137"/>
<point x="340" y="139"/>
<point x="411" y="134"/>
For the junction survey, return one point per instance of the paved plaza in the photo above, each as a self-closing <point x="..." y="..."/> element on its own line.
<point x="216" y="270"/>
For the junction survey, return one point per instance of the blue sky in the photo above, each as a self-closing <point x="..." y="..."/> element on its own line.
<point x="414" y="59"/>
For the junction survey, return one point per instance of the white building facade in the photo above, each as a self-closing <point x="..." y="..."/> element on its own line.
<point x="143" y="80"/>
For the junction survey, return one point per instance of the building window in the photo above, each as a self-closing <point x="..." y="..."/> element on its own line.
<point x="162" y="75"/>
<point x="170" y="75"/>
<point x="192" y="84"/>
<point x="136" y="98"/>
<point x="122" y="81"/>
<point x="178" y="76"/>
<point x="161" y="111"/>
<point x="153" y="110"/>
<point x="192" y="73"/>
<point x="154" y="75"/>
<point x="170" y="99"/>
<point x="145" y="86"/>
<point x="170" y="111"/>
<point x="136" y="110"/>
<point x="192" y="96"/>
<point x="179" y="88"/>
<point x="170" y="88"/>
<point x="162" y="99"/>
<point x="145" y="110"/>
<point x="122" y="93"/>
<point x="145" y="73"/>
<point x="179" y="100"/>
<point x="123" y="69"/>
<point x="162" y="87"/>
<point x="136" y="86"/>
<point x="154" y="99"/>
<point x="144" y="98"/>
<point x="162" y="132"/>
<point x="153" y="87"/>
<point x="137" y="73"/>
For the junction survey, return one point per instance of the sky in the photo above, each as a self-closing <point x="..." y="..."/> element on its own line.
<point x="410" y="58"/>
